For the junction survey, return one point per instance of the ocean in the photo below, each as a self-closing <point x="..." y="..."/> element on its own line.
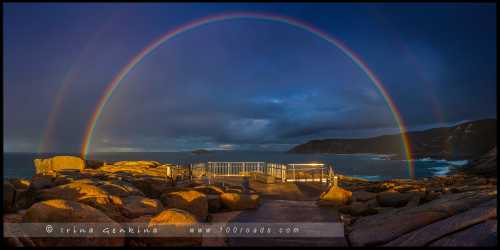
<point x="369" y="166"/>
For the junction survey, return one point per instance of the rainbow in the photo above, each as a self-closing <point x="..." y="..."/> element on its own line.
<point x="71" y="75"/>
<point x="113" y="85"/>
<point x="418" y="67"/>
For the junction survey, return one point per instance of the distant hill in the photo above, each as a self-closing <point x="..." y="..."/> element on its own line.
<point x="468" y="140"/>
<point x="201" y="152"/>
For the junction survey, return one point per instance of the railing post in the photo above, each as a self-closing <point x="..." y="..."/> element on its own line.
<point x="330" y="175"/>
<point x="283" y="173"/>
<point x="321" y="178"/>
<point x="206" y="167"/>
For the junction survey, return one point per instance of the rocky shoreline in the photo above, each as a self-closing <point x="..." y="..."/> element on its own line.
<point x="457" y="210"/>
<point x="439" y="211"/>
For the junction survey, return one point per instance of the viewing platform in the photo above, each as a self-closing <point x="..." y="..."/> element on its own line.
<point x="266" y="172"/>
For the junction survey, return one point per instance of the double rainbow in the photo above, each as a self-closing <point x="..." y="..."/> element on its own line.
<point x="113" y="85"/>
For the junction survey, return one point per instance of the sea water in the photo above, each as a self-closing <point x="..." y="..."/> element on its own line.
<point x="369" y="166"/>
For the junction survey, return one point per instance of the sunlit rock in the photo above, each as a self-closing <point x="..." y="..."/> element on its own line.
<point x="345" y="178"/>
<point x="335" y="196"/>
<point x="136" y="206"/>
<point x="62" y="179"/>
<point x="58" y="210"/>
<point x="58" y="163"/>
<point x="120" y="188"/>
<point x="174" y="217"/>
<point x="152" y="187"/>
<point x="236" y="201"/>
<point x="20" y="183"/>
<point x="209" y="189"/>
<point x="87" y="194"/>
<point x="149" y="164"/>
<point x="191" y="201"/>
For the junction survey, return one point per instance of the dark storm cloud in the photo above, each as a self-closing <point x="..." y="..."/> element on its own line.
<point x="241" y="84"/>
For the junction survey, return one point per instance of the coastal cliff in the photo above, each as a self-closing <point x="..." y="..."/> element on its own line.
<point x="468" y="140"/>
<point x="486" y="165"/>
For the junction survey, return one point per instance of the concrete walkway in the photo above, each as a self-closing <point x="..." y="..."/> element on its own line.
<point x="279" y="211"/>
<point x="280" y="191"/>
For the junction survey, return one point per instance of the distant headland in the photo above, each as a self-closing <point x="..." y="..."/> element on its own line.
<point x="467" y="140"/>
<point x="201" y="152"/>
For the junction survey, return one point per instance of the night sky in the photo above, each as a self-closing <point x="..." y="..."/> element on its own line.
<point x="240" y="84"/>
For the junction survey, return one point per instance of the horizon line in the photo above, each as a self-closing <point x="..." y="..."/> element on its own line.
<point x="449" y="125"/>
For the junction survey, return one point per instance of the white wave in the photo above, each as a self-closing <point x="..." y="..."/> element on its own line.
<point x="425" y="159"/>
<point x="440" y="171"/>
<point x="458" y="163"/>
<point x="421" y="159"/>
<point x="454" y="163"/>
<point x="381" y="156"/>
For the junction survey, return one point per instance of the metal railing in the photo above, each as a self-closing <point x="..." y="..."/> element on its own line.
<point x="235" y="168"/>
<point x="307" y="172"/>
<point x="285" y="172"/>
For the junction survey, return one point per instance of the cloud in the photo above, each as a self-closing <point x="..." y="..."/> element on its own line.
<point x="225" y="147"/>
<point x="238" y="85"/>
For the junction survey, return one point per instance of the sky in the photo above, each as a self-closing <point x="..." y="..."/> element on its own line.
<point x="239" y="84"/>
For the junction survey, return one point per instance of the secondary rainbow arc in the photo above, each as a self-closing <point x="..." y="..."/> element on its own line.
<point x="112" y="86"/>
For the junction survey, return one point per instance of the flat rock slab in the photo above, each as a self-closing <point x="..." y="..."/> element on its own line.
<point x="435" y="231"/>
<point x="480" y="235"/>
<point x="280" y="211"/>
<point x="382" y="228"/>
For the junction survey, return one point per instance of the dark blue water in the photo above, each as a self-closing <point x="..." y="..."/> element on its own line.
<point x="362" y="165"/>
